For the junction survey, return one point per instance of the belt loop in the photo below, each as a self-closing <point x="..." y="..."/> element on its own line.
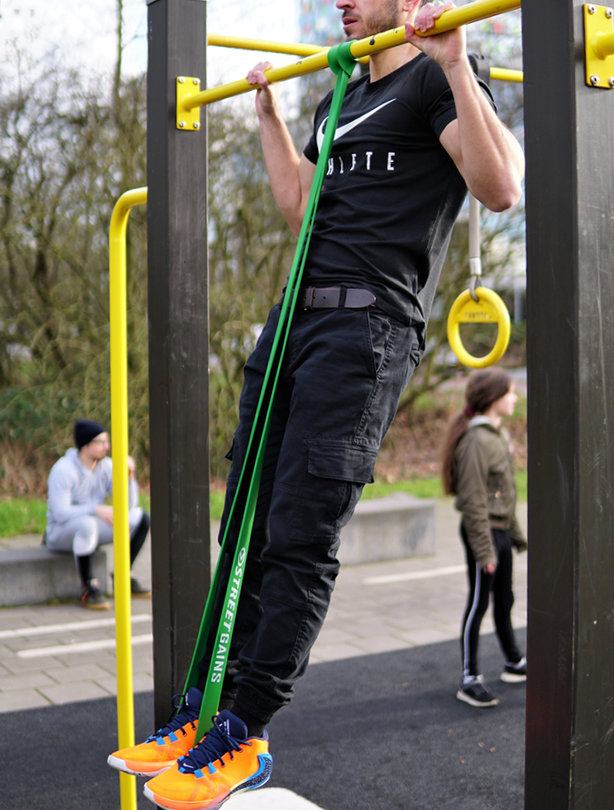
<point x="342" y="296"/>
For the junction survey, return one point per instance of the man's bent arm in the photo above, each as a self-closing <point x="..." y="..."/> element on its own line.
<point x="484" y="151"/>
<point x="290" y="176"/>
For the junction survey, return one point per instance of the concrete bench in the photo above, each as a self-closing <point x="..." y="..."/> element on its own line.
<point x="388" y="529"/>
<point x="32" y="574"/>
<point x="381" y="529"/>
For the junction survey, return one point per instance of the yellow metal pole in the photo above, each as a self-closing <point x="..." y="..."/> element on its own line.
<point x="310" y="64"/>
<point x="119" y="425"/>
<point x="603" y="45"/>
<point x="266" y="45"/>
<point x="302" y="49"/>
<point x="506" y="75"/>
<point x="454" y="18"/>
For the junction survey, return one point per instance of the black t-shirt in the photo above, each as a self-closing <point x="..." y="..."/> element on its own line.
<point x="391" y="193"/>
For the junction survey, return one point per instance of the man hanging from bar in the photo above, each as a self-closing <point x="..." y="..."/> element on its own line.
<point x="414" y="134"/>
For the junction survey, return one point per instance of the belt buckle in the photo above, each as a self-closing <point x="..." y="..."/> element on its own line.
<point x="309" y="296"/>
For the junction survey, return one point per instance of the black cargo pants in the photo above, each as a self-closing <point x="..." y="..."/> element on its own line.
<point x="343" y="373"/>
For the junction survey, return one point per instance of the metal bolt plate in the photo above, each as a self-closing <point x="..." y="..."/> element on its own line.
<point x="598" y="42"/>
<point x="187" y="119"/>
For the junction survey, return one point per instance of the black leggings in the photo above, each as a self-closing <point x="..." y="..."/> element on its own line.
<point x="480" y="587"/>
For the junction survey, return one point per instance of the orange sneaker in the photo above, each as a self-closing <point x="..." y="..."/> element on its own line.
<point x="225" y="762"/>
<point x="162" y="749"/>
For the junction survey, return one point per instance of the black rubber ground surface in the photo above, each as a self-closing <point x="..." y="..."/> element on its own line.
<point x="382" y="732"/>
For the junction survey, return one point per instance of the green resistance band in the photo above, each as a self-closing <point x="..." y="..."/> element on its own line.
<point x="342" y="63"/>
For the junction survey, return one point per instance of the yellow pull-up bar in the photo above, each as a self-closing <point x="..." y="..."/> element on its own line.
<point x="302" y="49"/>
<point x="453" y="18"/>
<point x="506" y="74"/>
<point x="266" y="45"/>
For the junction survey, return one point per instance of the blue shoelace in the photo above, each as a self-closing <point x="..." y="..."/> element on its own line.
<point x="187" y="714"/>
<point x="218" y="741"/>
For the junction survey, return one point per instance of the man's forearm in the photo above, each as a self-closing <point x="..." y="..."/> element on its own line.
<point x="484" y="151"/>
<point x="282" y="163"/>
<point x="490" y="158"/>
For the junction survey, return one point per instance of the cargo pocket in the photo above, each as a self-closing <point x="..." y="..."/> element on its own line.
<point x="341" y="461"/>
<point x="339" y="471"/>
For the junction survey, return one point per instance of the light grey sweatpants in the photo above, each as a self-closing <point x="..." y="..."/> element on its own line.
<point x="84" y="534"/>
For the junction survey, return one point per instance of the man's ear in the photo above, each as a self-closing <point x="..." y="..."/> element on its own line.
<point x="410" y="5"/>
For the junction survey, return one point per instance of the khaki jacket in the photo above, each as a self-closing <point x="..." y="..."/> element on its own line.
<point x="486" y="489"/>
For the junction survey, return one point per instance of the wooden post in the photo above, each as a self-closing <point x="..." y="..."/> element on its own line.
<point x="570" y="306"/>
<point x="178" y="345"/>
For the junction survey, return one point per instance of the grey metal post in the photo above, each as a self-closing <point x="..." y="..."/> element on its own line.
<point x="570" y="306"/>
<point x="178" y="345"/>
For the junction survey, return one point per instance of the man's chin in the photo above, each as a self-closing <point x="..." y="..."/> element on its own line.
<point x="353" y="31"/>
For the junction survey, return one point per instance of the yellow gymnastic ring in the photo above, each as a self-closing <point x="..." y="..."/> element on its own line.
<point x="489" y="308"/>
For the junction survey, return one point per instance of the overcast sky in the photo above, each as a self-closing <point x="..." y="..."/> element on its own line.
<point x="84" y="32"/>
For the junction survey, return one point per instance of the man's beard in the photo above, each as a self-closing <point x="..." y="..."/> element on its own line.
<point x="383" y="20"/>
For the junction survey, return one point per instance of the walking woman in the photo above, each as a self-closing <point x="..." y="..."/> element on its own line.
<point x="478" y="469"/>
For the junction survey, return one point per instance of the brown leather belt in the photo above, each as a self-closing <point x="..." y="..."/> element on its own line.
<point x="335" y="298"/>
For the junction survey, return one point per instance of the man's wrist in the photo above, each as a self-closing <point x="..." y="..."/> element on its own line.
<point x="458" y="68"/>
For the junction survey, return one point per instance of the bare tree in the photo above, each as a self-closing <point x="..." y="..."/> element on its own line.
<point x="63" y="163"/>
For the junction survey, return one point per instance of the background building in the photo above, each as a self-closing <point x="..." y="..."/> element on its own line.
<point x="319" y="22"/>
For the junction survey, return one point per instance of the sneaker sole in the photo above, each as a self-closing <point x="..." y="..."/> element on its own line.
<point x="169" y="804"/>
<point x="477" y="703"/>
<point x="258" y="779"/>
<point x="510" y="677"/>
<point x="101" y="606"/>
<point x="138" y="769"/>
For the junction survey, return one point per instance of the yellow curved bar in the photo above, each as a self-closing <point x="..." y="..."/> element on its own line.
<point x="506" y="75"/>
<point x="302" y="49"/>
<point x="453" y="18"/>
<point x="268" y="46"/>
<point x="489" y="308"/>
<point x="310" y="64"/>
<point x="121" y="532"/>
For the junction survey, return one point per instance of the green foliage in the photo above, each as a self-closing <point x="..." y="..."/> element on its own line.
<point x="67" y="152"/>
<point x="428" y="487"/>
<point x="250" y="254"/>
<point x="29" y="515"/>
<point x="22" y="516"/>
<point x="216" y="503"/>
<point x="67" y="155"/>
<point x="522" y="488"/>
<point x="418" y="487"/>
<point x="499" y="40"/>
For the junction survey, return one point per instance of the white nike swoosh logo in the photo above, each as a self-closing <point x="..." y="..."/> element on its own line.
<point x="343" y="130"/>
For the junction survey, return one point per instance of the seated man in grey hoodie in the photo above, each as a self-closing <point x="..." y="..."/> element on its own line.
<point x="79" y="519"/>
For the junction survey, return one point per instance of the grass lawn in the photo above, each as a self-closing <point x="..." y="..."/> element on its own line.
<point x="22" y="516"/>
<point x="28" y="515"/>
